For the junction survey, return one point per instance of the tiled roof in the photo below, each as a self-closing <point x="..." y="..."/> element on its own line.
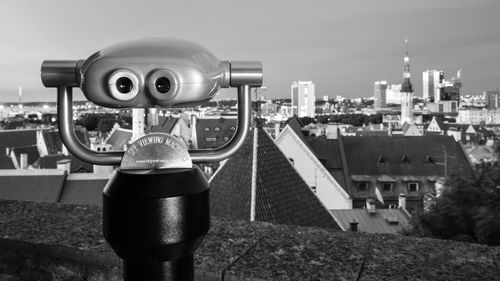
<point x="84" y="189"/>
<point x="384" y="220"/>
<point x="165" y="125"/>
<point x="16" y="138"/>
<point x="52" y="141"/>
<point x="214" y="132"/>
<point x="363" y="154"/>
<point x="31" y="185"/>
<point x="118" y="138"/>
<point x="282" y="196"/>
<point x="329" y="153"/>
<point x="6" y="162"/>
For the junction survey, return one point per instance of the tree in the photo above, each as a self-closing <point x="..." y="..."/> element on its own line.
<point x="468" y="210"/>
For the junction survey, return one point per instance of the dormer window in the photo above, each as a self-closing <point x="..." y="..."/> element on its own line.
<point x="207" y="129"/>
<point x="217" y="129"/>
<point x="233" y="128"/>
<point x="387" y="186"/>
<point x="363" y="186"/>
<point x="412" y="186"/>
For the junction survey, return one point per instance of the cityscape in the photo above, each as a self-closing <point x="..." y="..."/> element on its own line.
<point x="398" y="179"/>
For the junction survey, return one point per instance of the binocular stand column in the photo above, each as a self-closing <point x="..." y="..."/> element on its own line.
<point x="155" y="219"/>
<point x="181" y="269"/>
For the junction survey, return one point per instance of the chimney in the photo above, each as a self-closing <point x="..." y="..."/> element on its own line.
<point x="276" y="130"/>
<point x="194" y="136"/>
<point x="64" y="164"/>
<point x="370" y="206"/>
<point x="353" y="226"/>
<point x="402" y="201"/>
<point x="23" y="165"/>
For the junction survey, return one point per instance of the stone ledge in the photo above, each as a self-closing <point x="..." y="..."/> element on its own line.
<point x="71" y="235"/>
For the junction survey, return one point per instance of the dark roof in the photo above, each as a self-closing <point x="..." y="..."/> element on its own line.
<point x="406" y="86"/>
<point x="31" y="151"/>
<point x="282" y="196"/>
<point x="52" y="141"/>
<point x="31" y="185"/>
<point x="118" y="138"/>
<point x="84" y="189"/>
<point x="165" y="125"/>
<point x="17" y="138"/>
<point x="366" y="133"/>
<point x="362" y="154"/>
<point x="328" y="152"/>
<point x="76" y="166"/>
<point x="384" y="220"/>
<point x="6" y="162"/>
<point x="213" y="133"/>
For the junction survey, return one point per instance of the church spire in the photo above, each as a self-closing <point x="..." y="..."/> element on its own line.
<point x="406" y="86"/>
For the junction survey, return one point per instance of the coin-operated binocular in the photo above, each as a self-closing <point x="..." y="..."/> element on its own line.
<point x="156" y="207"/>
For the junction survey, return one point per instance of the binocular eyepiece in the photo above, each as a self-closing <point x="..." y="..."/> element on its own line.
<point x="151" y="72"/>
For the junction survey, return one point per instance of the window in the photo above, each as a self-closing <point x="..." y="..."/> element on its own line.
<point x="211" y="139"/>
<point x="387" y="186"/>
<point x="233" y="128"/>
<point x="226" y="138"/>
<point x="413" y="186"/>
<point x="393" y="206"/>
<point x="291" y="161"/>
<point x="313" y="189"/>
<point x="217" y="129"/>
<point x="207" y="129"/>
<point x="363" y="186"/>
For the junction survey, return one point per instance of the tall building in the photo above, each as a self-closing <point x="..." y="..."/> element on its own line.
<point x="393" y="94"/>
<point x="492" y="98"/>
<point x="406" y="92"/>
<point x="379" y="93"/>
<point x="303" y="98"/>
<point x="431" y="80"/>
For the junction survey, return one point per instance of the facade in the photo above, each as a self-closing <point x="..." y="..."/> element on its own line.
<point x="393" y="94"/>
<point x="443" y="106"/>
<point x="303" y="98"/>
<point x="406" y="107"/>
<point x="492" y="98"/>
<point x="379" y="94"/>
<point x="431" y="80"/>
<point x="479" y="116"/>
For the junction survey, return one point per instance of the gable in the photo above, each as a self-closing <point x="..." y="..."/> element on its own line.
<point x="282" y="196"/>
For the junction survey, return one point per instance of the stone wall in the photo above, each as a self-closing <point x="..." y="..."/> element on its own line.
<point x="40" y="241"/>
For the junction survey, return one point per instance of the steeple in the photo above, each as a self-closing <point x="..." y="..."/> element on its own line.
<point x="406" y="85"/>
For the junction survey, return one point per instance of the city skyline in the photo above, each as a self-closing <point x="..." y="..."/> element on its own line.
<point x="342" y="47"/>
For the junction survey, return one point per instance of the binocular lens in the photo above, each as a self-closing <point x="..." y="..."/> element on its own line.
<point x="162" y="85"/>
<point x="124" y="85"/>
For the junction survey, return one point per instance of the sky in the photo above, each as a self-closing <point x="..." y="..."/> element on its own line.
<point x="342" y="46"/>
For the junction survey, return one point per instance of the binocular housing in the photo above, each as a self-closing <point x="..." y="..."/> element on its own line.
<point x="151" y="72"/>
